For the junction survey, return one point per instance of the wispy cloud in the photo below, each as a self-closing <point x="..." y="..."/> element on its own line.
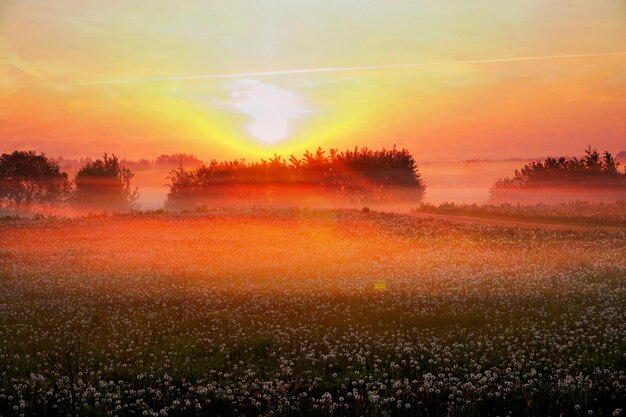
<point x="353" y="68"/>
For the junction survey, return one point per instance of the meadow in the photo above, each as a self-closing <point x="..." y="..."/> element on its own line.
<point x="293" y="312"/>
<point x="583" y="213"/>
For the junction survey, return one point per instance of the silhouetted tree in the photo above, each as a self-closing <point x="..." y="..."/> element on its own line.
<point x="592" y="172"/>
<point x="358" y="175"/>
<point x="178" y="159"/>
<point x="28" y="178"/>
<point x="105" y="183"/>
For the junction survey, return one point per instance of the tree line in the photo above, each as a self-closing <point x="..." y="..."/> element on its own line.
<point x="359" y="175"/>
<point x="159" y="163"/>
<point x="594" y="171"/>
<point x="29" y="179"/>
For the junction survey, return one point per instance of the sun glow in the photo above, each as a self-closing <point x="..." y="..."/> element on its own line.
<point x="249" y="79"/>
<point x="271" y="109"/>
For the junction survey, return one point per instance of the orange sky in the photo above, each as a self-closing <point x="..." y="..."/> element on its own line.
<point x="213" y="78"/>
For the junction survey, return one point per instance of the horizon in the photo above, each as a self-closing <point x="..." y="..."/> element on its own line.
<point x="620" y="155"/>
<point x="465" y="181"/>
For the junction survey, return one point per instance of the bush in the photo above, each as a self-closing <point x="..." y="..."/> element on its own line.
<point x="105" y="184"/>
<point x="28" y="179"/>
<point x="594" y="172"/>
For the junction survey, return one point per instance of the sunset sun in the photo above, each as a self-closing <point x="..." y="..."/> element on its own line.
<point x="272" y="111"/>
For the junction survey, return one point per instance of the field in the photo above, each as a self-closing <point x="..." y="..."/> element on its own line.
<point x="580" y="213"/>
<point x="309" y="312"/>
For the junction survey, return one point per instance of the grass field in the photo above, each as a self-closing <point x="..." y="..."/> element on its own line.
<point x="573" y="213"/>
<point x="309" y="312"/>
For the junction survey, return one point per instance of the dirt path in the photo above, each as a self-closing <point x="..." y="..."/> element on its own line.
<point x="530" y="224"/>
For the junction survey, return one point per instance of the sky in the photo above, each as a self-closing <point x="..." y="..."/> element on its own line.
<point x="449" y="80"/>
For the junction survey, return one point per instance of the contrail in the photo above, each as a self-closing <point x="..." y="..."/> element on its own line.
<point x="355" y="68"/>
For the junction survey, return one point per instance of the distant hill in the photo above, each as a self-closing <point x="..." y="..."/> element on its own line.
<point x="621" y="157"/>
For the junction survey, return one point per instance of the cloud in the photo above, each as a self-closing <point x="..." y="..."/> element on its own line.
<point x="358" y="68"/>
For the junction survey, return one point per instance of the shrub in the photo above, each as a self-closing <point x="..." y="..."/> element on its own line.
<point x="28" y="178"/>
<point x="592" y="173"/>
<point x="105" y="183"/>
